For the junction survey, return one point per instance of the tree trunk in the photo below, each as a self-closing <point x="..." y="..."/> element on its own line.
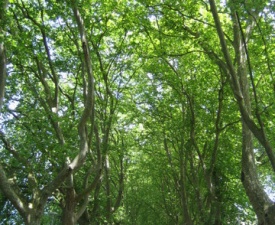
<point x="68" y="217"/>
<point x="262" y="204"/>
<point x="96" y="205"/>
<point x="108" y="191"/>
<point x="254" y="190"/>
<point x="84" y="219"/>
<point x="182" y="188"/>
<point x="33" y="218"/>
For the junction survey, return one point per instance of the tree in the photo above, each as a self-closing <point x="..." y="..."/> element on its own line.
<point x="136" y="112"/>
<point x="262" y="204"/>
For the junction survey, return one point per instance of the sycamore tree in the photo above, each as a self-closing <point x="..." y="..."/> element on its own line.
<point x="65" y="77"/>
<point x="137" y="112"/>
<point x="212" y="100"/>
<point x="247" y="85"/>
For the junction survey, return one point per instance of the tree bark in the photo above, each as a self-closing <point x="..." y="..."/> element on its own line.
<point x="108" y="190"/>
<point x="249" y="175"/>
<point x="34" y="218"/>
<point x="84" y="218"/>
<point x="68" y="216"/>
<point x="31" y="212"/>
<point x="262" y="204"/>
<point x="182" y="189"/>
<point x="88" y="112"/>
<point x="254" y="190"/>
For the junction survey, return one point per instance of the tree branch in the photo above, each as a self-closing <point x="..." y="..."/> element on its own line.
<point x="9" y="192"/>
<point x="257" y="132"/>
<point x="89" y="103"/>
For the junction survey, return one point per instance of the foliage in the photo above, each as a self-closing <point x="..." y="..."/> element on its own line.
<point x="164" y="130"/>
